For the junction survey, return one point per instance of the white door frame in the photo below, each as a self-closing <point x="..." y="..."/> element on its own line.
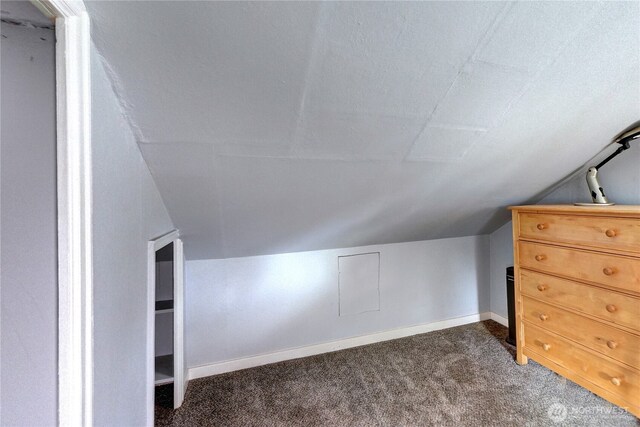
<point x="74" y="194"/>
<point x="179" y="377"/>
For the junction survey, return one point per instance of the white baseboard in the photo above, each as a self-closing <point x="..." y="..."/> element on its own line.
<point x="503" y="321"/>
<point x="312" y="350"/>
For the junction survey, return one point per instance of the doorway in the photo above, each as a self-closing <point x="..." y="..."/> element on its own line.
<point x="163" y="395"/>
<point x="166" y="370"/>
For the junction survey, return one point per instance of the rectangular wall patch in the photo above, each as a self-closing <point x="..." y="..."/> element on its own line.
<point x="359" y="283"/>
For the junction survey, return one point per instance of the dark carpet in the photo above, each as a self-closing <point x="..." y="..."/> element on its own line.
<point x="463" y="376"/>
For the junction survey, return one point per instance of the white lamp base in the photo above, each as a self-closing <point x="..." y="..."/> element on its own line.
<point x="594" y="204"/>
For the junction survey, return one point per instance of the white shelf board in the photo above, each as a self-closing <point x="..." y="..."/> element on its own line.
<point x="164" y="369"/>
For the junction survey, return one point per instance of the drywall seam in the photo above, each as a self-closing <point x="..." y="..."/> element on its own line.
<point x="447" y="126"/>
<point x="491" y="29"/>
<point x="533" y="78"/>
<point x="125" y="111"/>
<point x="483" y="40"/>
<point x="430" y="115"/>
<point x="311" y="63"/>
<point x="116" y="87"/>
<point x="312" y="350"/>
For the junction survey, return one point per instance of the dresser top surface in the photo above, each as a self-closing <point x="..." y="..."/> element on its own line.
<point x="627" y="210"/>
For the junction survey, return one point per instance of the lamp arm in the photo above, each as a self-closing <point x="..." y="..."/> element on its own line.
<point x="624" y="146"/>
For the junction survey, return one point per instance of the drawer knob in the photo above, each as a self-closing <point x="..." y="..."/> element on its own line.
<point x="542" y="287"/>
<point x="611" y="308"/>
<point x="541" y="226"/>
<point x="543" y="317"/>
<point x="616" y="381"/>
<point x="546" y="346"/>
<point x="612" y="344"/>
<point x="610" y="233"/>
<point x="540" y="257"/>
<point x="607" y="271"/>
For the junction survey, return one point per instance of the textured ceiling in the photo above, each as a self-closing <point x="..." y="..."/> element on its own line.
<point x="292" y="126"/>
<point x="23" y="12"/>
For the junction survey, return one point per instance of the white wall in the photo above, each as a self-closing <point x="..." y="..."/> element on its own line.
<point x="128" y="211"/>
<point x="28" y="271"/>
<point x="241" y="307"/>
<point x="621" y="181"/>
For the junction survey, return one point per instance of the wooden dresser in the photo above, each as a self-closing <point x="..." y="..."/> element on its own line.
<point x="577" y="272"/>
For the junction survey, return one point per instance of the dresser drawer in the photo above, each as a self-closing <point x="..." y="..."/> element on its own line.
<point x="607" y="374"/>
<point x="610" y="270"/>
<point x="605" y="304"/>
<point x="602" y="232"/>
<point x="605" y="339"/>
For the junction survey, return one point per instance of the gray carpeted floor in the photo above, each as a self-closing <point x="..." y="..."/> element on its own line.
<point x="459" y="376"/>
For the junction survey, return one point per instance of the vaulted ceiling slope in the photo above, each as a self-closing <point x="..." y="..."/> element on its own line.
<point x="23" y="12"/>
<point x="292" y="126"/>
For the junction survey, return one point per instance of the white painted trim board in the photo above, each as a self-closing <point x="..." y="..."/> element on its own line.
<point x="179" y="371"/>
<point x="503" y="321"/>
<point x="312" y="350"/>
<point x="75" y="216"/>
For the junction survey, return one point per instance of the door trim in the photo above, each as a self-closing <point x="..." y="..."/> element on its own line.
<point x="74" y="194"/>
<point x="180" y="376"/>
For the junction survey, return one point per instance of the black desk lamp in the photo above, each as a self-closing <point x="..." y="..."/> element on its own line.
<point x="623" y="138"/>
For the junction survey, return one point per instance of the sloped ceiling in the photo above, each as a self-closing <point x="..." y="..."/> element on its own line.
<point x="25" y="13"/>
<point x="292" y="126"/>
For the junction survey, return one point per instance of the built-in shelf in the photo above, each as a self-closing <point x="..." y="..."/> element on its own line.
<point x="165" y="306"/>
<point x="164" y="369"/>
